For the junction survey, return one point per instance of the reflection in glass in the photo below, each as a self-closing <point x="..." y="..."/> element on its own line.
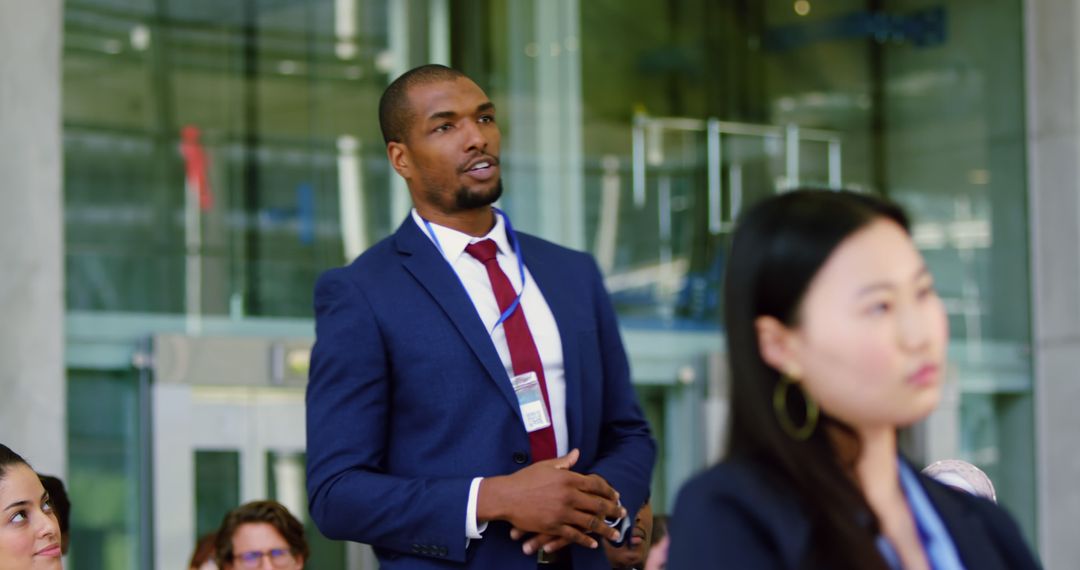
<point x="202" y="146"/>
<point x="103" y="473"/>
<point x="217" y="488"/>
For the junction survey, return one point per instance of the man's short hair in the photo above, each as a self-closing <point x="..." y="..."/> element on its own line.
<point x="272" y="513"/>
<point x="395" y="113"/>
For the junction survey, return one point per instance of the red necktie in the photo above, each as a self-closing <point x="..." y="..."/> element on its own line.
<point x="523" y="353"/>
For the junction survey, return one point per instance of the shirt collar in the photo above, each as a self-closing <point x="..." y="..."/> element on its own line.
<point x="453" y="242"/>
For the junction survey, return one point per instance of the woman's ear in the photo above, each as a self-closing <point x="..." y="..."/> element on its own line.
<point x="776" y="343"/>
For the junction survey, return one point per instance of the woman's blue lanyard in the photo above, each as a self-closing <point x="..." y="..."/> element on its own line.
<point x="512" y="236"/>
<point x="937" y="544"/>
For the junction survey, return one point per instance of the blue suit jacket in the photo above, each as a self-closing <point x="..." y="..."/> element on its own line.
<point x="408" y="401"/>
<point x="732" y="517"/>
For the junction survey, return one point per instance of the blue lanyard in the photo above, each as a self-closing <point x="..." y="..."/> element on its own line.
<point x="936" y="542"/>
<point x="517" y="251"/>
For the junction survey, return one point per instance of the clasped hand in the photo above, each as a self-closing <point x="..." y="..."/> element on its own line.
<point x="554" y="505"/>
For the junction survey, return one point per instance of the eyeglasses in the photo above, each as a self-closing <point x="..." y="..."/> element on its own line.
<point x="279" y="558"/>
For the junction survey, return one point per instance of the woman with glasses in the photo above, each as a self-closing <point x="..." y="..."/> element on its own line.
<point x="261" y="534"/>
<point x="836" y="339"/>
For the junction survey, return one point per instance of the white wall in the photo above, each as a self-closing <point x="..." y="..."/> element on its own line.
<point x="1053" y="100"/>
<point x="32" y="386"/>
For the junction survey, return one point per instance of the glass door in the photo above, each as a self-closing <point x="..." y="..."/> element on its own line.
<point x="228" y="428"/>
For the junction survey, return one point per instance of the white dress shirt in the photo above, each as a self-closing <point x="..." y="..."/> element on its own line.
<point x="538" y="314"/>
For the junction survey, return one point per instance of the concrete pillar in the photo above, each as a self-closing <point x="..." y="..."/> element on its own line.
<point x="33" y="405"/>
<point x="1053" y="136"/>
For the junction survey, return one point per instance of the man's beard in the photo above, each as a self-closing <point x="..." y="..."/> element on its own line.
<point x="466" y="200"/>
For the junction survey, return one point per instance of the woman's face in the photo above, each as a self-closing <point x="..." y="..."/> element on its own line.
<point x="869" y="345"/>
<point x="260" y="545"/>
<point x="29" y="533"/>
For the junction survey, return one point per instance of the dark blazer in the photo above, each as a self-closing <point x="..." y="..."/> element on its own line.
<point x="408" y="401"/>
<point x="731" y="517"/>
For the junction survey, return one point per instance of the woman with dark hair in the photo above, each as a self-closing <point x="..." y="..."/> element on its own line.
<point x="61" y="505"/>
<point x="257" y="530"/>
<point x="836" y="338"/>
<point x="29" y="533"/>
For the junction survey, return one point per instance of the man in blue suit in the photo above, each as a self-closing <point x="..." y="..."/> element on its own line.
<point x="469" y="403"/>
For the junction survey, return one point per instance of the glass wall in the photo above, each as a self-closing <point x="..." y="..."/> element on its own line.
<point x="921" y="101"/>
<point x="206" y="147"/>
<point x="954" y="147"/>
<point x="218" y="156"/>
<point x="103" y="477"/>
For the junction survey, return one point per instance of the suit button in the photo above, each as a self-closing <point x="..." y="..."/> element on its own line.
<point x="520" y="458"/>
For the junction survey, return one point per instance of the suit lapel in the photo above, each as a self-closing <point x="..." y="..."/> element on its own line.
<point x="560" y="299"/>
<point x="429" y="267"/>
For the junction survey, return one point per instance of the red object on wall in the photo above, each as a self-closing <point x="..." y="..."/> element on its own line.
<point x="195" y="166"/>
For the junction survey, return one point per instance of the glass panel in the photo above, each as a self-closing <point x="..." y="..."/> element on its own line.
<point x="217" y="488"/>
<point x="286" y="483"/>
<point x="781" y="120"/>
<point x="955" y="157"/>
<point x="209" y="145"/>
<point x="103" y="479"/>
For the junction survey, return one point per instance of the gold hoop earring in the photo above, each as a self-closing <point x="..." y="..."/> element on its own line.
<point x="779" y="402"/>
